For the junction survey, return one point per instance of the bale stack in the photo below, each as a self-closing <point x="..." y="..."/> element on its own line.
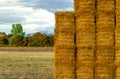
<point x="64" y="46"/>
<point x="85" y="38"/>
<point x="117" y="40"/>
<point x="105" y="51"/>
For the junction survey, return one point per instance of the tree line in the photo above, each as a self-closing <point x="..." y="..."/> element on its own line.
<point x="17" y="38"/>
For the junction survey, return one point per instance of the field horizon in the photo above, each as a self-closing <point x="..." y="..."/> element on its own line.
<point x="41" y="49"/>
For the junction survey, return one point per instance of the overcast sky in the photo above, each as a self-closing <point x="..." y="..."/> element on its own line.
<point x="34" y="15"/>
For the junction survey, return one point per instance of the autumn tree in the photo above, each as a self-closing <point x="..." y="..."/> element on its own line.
<point x="25" y="41"/>
<point x="38" y="39"/>
<point x="3" y="38"/>
<point x="41" y="40"/>
<point x="16" y="41"/>
<point x="50" y="40"/>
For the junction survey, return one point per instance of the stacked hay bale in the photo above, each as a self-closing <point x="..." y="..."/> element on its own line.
<point x="64" y="46"/>
<point x="117" y="40"/>
<point x="105" y="52"/>
<point x="85" y="38"/>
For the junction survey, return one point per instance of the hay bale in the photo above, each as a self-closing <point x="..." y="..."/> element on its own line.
<point x="84" y="7"/>
<point x="85" y="31"/>
<point x="105" y="6"/>
<point x="59" y="57"/>
<point x="105" y="39"/>
<point x="64" y="72"/>
<point x="105" y="72"/>
<point x="85" y="63"/>
<point x="105" y="55"/>
<point x="64" y="47"/>
<point x="85" y="72"/>
<point x="85" y="57"/>
<point x="85" y="38"/>
<point x="105" y="16"/>
<point x="85" y="23"/>
<point x="105" y="23"/>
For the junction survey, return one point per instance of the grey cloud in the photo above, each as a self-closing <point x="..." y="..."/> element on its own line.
<point x="50" y="5"/>
<point x="8" y="16"/>
<point x="47" y="30"/>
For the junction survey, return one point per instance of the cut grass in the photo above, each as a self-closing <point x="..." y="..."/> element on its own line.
<point x="26" y="65"/>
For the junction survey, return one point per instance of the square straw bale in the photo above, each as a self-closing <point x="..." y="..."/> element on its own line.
<point x="105" y="39"/>
<point x="105" y="55"/>
<point x="84" y="7"/>
<point x="64" y="47"/>
<point x="105" y="72"/>
<point x="85" y="72"/>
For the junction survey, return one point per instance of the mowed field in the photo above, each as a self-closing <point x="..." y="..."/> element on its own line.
<point x="26" y="63"/>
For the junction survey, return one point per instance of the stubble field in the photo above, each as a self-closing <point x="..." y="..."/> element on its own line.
<point x="26" y="63"/>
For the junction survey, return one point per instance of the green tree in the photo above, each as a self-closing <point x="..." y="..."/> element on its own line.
<point x="17" y="35"/>
<point x="18" y="30"/>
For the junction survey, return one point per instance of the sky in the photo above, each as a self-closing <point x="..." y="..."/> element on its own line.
<point x="34" y="15"/>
